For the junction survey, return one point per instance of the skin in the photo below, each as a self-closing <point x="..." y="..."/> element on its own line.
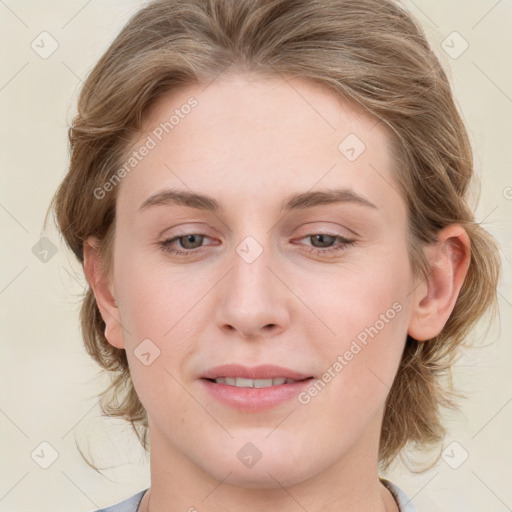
<point x="250" y="143"/>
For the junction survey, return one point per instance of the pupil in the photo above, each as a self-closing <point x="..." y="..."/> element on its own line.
<point x="325" y="240"/>
<point x="189" y="241"/>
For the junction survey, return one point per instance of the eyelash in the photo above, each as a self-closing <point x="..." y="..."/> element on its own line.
<point x="343" y="244"/>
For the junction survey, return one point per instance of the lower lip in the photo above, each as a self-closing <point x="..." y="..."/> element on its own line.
<point x="255" y="399"/>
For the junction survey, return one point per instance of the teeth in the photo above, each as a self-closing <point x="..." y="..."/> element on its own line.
<point x="241" y="382"/>
<point x="263" y="383"/>
<point x="244" y="383"/>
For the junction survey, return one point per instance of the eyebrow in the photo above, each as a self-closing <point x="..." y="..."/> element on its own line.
<point x="318" y="198"/>
<point x="181" y="198"/>
<point x="293" y="202"/>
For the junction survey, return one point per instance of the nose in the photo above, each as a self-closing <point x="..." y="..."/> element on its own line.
<point x="251" y="301"/>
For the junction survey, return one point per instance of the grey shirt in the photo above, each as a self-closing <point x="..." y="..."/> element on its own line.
<point x="132" y="503"/>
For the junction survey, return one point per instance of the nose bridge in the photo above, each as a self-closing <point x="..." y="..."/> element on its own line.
<point x="251" y="301"/>
<point x="250" y="272"/>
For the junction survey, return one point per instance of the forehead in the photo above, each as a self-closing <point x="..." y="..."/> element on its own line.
<point x="259" y="137"/>
<point x="262" y="106"/>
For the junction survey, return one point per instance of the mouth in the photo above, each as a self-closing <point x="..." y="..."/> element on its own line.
<point x="242" y="382"/>
<point x="254" y="389"/>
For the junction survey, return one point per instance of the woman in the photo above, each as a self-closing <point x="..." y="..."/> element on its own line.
<point x="269" y="201"/>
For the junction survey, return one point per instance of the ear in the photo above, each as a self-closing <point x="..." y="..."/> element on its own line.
<point x="435" y="298"/>
<point x="103" y="292"/>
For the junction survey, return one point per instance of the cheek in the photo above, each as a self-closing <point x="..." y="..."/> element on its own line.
<point x="156" y="299"/>
<point x="365" y="309"/>
<point x="163" y="306"/>
<point x="356" y="295"/>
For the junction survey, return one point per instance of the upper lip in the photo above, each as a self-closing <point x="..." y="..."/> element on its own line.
<point x="266" y="371"/>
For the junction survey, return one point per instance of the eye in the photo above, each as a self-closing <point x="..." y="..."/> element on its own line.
<point x="192" y="241"/>
<point x="325" y="243"/>
<point x="321" y="244"/>
<point x="188" y="243"/>
<point x="322" y="240"/>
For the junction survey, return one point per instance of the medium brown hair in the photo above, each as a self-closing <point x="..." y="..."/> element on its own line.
<point x="371" y="53"/>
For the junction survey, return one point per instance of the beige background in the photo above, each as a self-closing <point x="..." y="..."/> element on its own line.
<point x="48" y="382"/>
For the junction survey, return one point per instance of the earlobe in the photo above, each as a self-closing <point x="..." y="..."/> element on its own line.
<point x="433" y="302"/>
<point x="101" y="286"/>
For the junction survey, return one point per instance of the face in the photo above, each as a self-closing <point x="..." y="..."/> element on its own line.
<point x="262" y="279"/>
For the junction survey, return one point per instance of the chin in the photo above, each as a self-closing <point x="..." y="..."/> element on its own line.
<point x="273" y="477"/>
<point x="268" y="472"/>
